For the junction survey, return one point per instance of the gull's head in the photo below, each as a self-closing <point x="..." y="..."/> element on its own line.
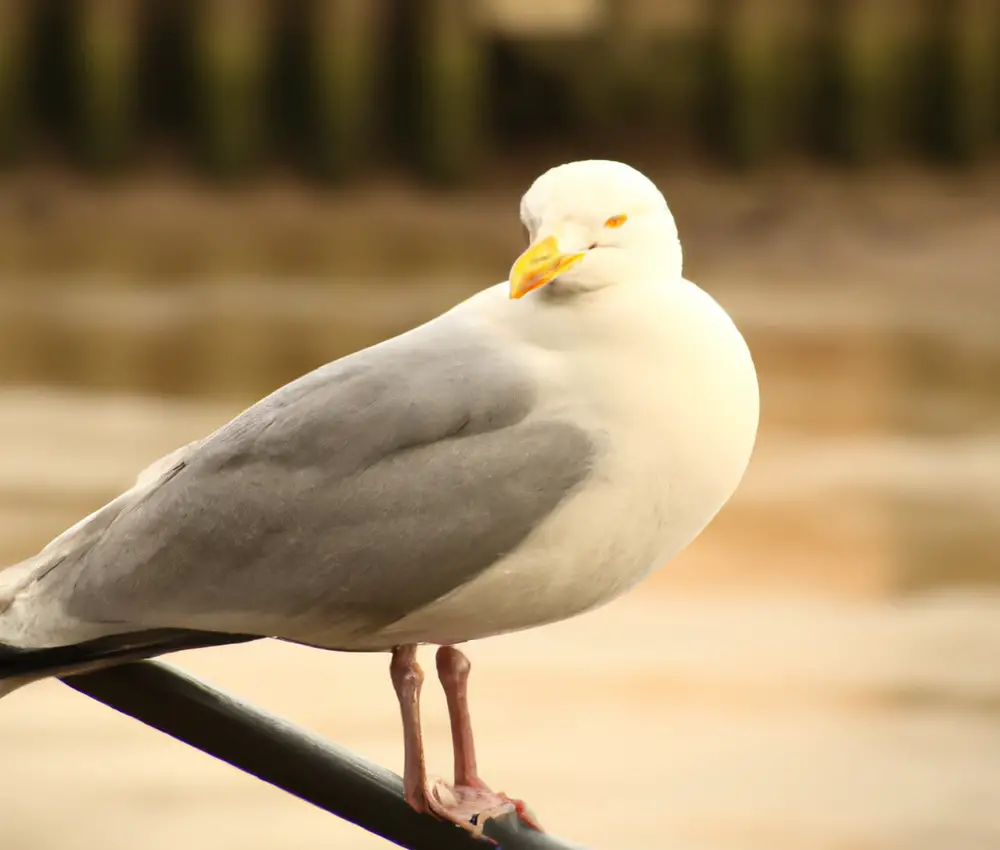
<point x="592" y="224"/>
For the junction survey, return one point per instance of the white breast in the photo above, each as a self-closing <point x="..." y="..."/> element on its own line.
<point x="665" y="380"/>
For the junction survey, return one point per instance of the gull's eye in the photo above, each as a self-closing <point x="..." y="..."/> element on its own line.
<point x="616" y="220"/>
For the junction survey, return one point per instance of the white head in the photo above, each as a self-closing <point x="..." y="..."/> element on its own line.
<point x="592" y="224"/>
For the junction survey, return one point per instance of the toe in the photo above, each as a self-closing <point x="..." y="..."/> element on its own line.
<point x="467" y="807"/>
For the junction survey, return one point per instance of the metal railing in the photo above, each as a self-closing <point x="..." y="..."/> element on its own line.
<point x="289" y="758"/>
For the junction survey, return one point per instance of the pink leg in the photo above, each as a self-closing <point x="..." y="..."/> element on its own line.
<point x="407" y="678"/>
<point x="453" y="671"/>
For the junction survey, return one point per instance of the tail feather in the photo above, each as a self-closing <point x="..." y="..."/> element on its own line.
<point x="20" y="667"/>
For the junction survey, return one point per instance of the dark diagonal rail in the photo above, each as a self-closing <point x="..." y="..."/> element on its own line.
<point x="288" y="757"/>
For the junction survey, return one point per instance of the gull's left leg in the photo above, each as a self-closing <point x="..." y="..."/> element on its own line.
<point x="407" y="679"/>
<point x="473" y="796"/>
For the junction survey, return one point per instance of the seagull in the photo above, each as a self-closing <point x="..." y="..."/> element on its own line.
<point x="527" y="456"/>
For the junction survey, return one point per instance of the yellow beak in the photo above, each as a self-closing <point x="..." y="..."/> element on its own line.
<point x="540" y="264"/>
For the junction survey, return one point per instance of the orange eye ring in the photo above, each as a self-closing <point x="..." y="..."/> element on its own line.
<point x="616" y="220"/>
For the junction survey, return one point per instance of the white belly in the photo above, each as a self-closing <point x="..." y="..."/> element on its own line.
<point x="679" y="431"/>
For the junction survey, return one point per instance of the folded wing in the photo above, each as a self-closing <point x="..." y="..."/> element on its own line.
<point x="355" y="495"/>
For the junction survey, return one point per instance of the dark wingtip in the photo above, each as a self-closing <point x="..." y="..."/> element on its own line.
<point x="106" y="651"/>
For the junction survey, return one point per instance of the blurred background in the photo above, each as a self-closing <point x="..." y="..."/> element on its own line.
<point x="201" y="199"/>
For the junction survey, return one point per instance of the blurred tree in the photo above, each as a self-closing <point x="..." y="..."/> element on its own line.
<point x="230" y="39"/>
<point x="345" y="43"/>
<point x="449" y="97"/>
<point x="869" y="47"/>
<point x="105" y="76"/>
<point x="14" y="21"/>
<point x="660" y="53"/>
<point x="762" y="74"/>
<point x="963" y="77"/>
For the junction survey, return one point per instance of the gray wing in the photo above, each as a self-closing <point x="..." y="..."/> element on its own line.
<point x="360" y="492"/>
